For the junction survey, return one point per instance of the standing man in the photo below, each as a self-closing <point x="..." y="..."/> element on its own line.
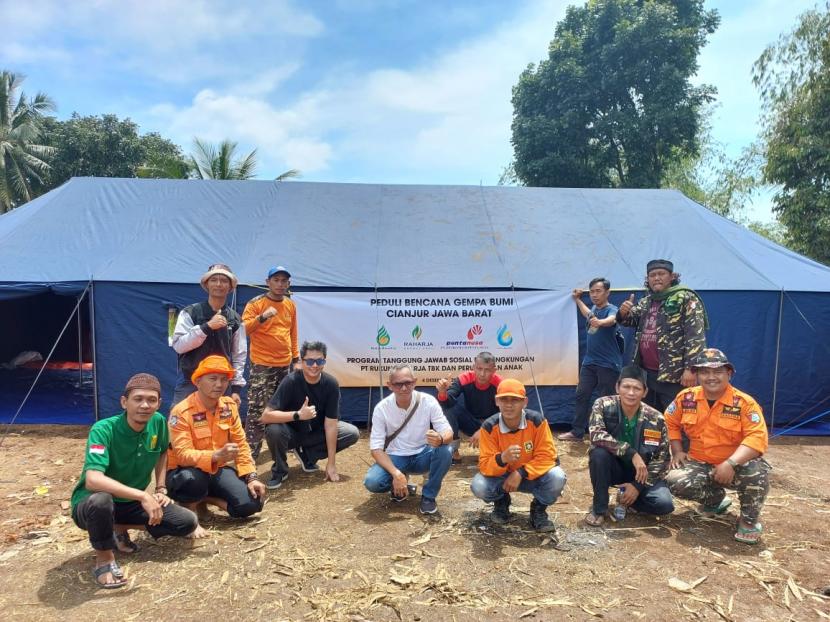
<point x="470" y="399"/>
<point x="629" y="449"/>
<point x="210" y="327"/>
<point x="304" y="415"/>
<point x="410" y="434"/>
<point x="728" y="437"/>
<point x="671" y="323"/>
<point x="603" y="357"/>
<point x="271" y="323"/>
<point x="209" y="458"/>
<point x="110" y="497"/>
<point x="517" y="454"/>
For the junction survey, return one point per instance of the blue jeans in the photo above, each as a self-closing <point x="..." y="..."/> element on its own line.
<point x="545" y="489"/>
<point x="434" y="460"/>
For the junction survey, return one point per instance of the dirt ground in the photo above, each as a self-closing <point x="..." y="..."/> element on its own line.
<point x="323" y="551"/>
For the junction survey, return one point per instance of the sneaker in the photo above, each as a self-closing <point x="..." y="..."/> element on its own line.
<point x="569" y="436"/>
<point x="428" y="506"/>
<point x="307" y="465"/>
<point x="715" y="510"/>
<point x="276" y="481"/>
<point x="501" y="510"/>
<point x="539" y="517"/>
<point x="411" y="489"/>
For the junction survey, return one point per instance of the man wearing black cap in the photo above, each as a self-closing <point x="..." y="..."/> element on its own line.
<point x="629" y="449"/>
<point x="671" y="322"/>
<point x="210" y="327"/>
<point x="271" y="323"/>
<point x="122" y="452"/>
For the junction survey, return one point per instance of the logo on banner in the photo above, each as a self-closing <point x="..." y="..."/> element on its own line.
<point x="503" y="336"/>
<point x="474" y="331"/>
<point x="417" y="332"/>
<point x="383" y="338"/>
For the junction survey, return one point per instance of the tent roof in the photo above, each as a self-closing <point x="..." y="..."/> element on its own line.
<point x="359" y="235"/>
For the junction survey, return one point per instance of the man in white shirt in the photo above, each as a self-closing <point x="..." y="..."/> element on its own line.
<point x="410" y="434"/>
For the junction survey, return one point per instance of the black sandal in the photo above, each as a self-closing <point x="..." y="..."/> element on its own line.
<point x="116" y="573"/>
<point x="124" y="540"/>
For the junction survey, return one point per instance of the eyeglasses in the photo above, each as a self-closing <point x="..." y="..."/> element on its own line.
<point x="408" y="384"/>
<point x="313" y="362"/>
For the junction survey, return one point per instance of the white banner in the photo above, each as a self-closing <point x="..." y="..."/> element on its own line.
<point x="439" y="333"/>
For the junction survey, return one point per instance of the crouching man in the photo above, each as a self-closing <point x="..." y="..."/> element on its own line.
<point x="410" y="434"/>
<point x="629" y="449"/>
<point x="727" y="439"/>
<point x="516" y="453"/>
<point x="110" y="497"/>
<point x="209" y="459"/>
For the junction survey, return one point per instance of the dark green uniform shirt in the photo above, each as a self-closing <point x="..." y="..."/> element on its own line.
<point x="123" y="454"/>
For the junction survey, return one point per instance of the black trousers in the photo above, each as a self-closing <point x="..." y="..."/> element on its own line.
<point x="189" y="485"/>
<point x="608" y="470"/>
<point x="99" y="513"/>
<point x="283" y="436"/>
<point x="660" y="394"/>
<point x="604" y="380"/>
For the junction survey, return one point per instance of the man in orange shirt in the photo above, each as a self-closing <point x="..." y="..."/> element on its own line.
<point x="727" y="436"/>
<point x="209" y="460"/>
<point x="271" y="323"/>
<point x="516" y="452"/>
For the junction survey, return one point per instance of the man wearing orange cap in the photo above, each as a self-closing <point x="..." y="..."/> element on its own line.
<point x="210" y="327"/>
<point x="516" y="453"/>
<point x="209" y="458"/>
<point x="727" y="439"/>
<point x="122" y="452"/>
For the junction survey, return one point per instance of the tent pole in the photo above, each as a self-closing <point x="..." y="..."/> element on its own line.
<point x="80" y="349"/>
<point x="777" y="356"/>
<point x="94" y="349"/>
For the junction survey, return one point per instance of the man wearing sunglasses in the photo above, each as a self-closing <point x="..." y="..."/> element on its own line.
<point x="304" y="416"/>
<point x="410" y="434"/>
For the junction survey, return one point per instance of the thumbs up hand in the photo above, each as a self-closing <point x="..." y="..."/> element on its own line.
<point x="625" y="307"/>
<point x="307" y="412"/>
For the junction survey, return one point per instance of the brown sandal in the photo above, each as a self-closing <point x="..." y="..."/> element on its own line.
<point x="592" y="520"/>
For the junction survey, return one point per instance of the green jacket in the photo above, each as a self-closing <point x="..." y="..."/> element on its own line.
<point x="681" y="331"/>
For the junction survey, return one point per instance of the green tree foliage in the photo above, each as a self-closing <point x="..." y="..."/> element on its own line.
<point x="24" y="161"/>
<point x="104" y="146"/>
<point x="221" y="162"/>
<point x="612" y="105"/>
<point x="793" y="76"/>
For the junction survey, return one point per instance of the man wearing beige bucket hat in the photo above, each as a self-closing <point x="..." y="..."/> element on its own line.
<point x="210" y="327"/>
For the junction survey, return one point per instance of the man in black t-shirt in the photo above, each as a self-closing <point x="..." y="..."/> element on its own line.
<point x="304" y="415"/>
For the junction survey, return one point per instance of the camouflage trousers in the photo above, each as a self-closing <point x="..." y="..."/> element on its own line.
<point x="694" y="481"/>
<point x="262" y="385"/>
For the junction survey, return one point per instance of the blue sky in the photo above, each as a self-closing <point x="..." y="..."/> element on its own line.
<point x="388" y="91"/>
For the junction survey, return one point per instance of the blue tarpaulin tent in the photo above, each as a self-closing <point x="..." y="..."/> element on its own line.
<point x="125" y="251"/>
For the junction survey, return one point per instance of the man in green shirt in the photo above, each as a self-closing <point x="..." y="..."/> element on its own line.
<point x="629" y="448"/>
<point x="111" y="498"/>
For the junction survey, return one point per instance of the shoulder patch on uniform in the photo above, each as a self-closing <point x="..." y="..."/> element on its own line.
<point x="97" y="449"/>
<point x="755" y="417"/>
<point x="174" y="419"/>
<point x="672" y="407"/>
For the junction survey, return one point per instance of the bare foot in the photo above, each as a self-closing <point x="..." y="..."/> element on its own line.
<point x="198" y="533"/>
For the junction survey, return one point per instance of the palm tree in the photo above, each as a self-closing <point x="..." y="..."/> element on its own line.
<point x="23" y="161"/>
<point x="220" y="162"/>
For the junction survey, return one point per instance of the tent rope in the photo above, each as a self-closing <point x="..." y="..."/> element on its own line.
<point x="515" y="299"/>
<point x="43" y="366"/>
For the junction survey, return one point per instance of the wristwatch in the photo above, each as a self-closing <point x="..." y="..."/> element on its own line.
<point x="732" y="463"/>
<point x="296" y="415"/>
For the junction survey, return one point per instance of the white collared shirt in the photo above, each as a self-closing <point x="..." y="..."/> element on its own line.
<point x="388" y="417"/>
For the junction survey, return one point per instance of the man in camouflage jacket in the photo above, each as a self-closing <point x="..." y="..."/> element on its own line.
<point x="629" y="448"/>
<point x="671" y="323"/>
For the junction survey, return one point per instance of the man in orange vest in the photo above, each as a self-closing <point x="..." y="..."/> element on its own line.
<point x="727" y="439"/>
<point x="209" y="459"/>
